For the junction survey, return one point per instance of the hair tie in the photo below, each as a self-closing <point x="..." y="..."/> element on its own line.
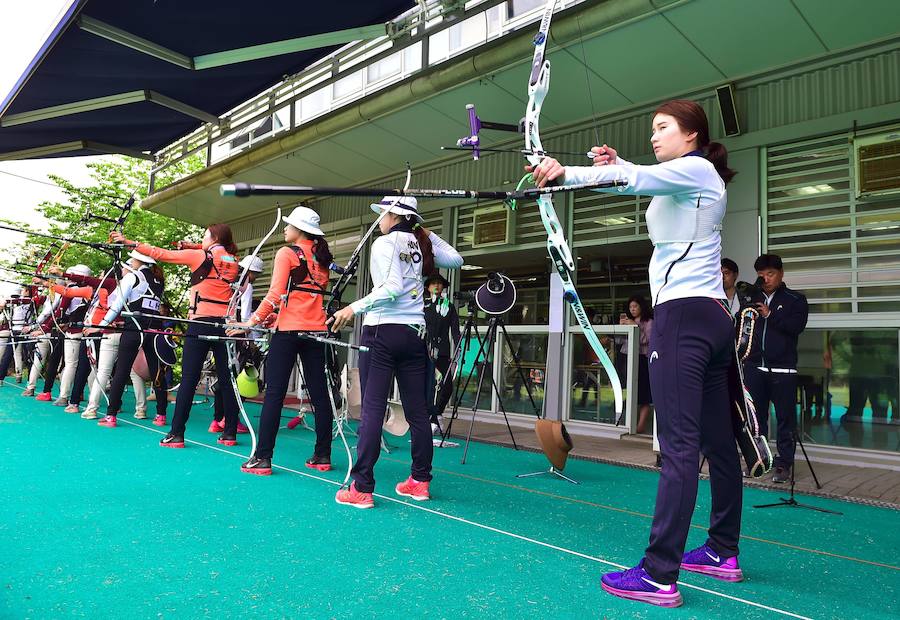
<point x="417" y="225"/>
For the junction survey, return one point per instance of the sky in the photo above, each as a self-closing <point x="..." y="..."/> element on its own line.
<point x="24" y="27"/>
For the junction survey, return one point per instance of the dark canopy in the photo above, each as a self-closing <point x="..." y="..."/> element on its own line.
<point x="153" y="101"/>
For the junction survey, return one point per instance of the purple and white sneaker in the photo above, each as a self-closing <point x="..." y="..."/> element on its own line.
<point x="705" y="561"/>
<point x="637" y="585"/>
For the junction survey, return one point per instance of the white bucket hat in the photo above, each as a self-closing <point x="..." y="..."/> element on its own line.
<point x="401" y="205"/>
<point x="142" y="257"/>
<point x="79" y="270"/>
<point x="305" y="219"/>
<point x="252" y="263"/>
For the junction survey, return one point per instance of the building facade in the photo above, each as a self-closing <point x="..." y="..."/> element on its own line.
<point x="818" y="157"/>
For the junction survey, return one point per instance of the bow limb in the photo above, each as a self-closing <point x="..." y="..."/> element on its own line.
<point x="115" y="272"/>
<point x="557" y="247"/>
<point x="231" y="345"/>
<point x="349" y="271"/>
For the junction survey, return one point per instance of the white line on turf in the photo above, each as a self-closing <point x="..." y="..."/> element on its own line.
<point x="488" y="527"/>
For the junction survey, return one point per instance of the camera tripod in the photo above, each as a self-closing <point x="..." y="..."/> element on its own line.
<point x="483" y="366"/>
<point x="790" y="500"/>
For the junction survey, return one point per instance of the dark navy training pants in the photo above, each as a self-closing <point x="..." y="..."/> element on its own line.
<point x="394" y="351"/>
<point x="691" y="344"/>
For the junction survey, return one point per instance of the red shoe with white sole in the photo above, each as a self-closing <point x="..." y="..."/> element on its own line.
<point x="108" y="421"/>
<point x="352" y="497"/>
<point x="414" y="489"/>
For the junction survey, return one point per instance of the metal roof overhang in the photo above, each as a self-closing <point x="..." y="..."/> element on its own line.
<point x="132" y="77"/>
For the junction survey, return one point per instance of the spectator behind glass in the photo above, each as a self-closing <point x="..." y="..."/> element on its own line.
<point x="638" y="312"/>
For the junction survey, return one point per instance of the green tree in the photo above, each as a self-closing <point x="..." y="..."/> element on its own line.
<point x="85" y="217"/>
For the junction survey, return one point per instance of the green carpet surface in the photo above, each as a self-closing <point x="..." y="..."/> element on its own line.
<point x="102" y="523"/>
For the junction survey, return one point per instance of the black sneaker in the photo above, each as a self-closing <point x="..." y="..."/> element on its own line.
<point x="260" y="467"/>
<point x="227" y="440"/>
<point x="321" y="463"/>
<point x="781" y="475"/>
<point x="172" y="441"/>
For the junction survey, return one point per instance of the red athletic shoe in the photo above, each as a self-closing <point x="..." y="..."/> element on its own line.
<point x="108" y="421"/>
<point x="44" y="396"/>
<point x="216" y="427"/>
<point x="319" y="463"/>
<point x="259" y="467"/>
<point x="159" y="420"/>
<point x="172" y="441"/>
<point x="414" y="489"/>
<point x="227" y="440"/>
<point x="352" y="497"/>
<point x="241" y="428"/>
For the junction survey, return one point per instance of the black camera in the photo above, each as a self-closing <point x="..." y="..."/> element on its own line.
<point x="463" y="297"/>
<point x="750" y="294"/>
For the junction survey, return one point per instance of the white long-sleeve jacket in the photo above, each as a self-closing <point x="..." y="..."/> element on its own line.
<point x="398" y="290"/>
<point x="684" y="221"/>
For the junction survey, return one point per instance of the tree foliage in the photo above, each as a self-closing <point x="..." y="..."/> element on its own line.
<point x="82" y="217"/>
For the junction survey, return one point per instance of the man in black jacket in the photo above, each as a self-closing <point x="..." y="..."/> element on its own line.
<point x="771" y="368"/>
<point x="441" y="322"/>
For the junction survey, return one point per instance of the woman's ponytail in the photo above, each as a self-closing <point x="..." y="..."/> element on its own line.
<point x="717" y="155"/>
<point x="425" y="248"/>
<point x="321" y="252"/>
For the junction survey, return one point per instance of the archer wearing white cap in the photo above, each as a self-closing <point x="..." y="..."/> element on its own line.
<point x="139" y="290"/>
<point x="296" y="292"/>
<point x="393" y="331"/>
<point x="254" y="267"/>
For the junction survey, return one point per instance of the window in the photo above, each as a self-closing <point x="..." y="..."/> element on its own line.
<point x="531" y="350"/>
<point x="529" y="272"/>
<point x="384" y="68"/>
<point x="848" y="388"/>
<point x="348" y="85"/>
<point x="840" y="250"/>
<point x="314" y="104"/>
<point x="268" y="126"/>
<point x="591" y="396"/>
<point x="520" y="7"/>
<point x="609" y="275"/>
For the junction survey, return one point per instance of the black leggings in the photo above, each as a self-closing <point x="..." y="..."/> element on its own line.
<point x="283" y="352"/>
<point x="192" y="357"/>
<point x="692" y="343"/>
<point x="83" y="370"/>
<point x="6" y="359"/>
<point x="129" y="345"/>
<point x="56" y="356"/>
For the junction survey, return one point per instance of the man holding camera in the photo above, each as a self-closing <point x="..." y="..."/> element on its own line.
<point x="771" y="368"/>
